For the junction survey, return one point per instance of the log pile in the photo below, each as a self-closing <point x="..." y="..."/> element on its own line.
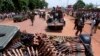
<point x="48" y="45"/>
<point x="68" y="45"/>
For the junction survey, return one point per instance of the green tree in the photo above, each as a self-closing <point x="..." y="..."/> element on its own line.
<point x="19" y="5"/>
<point x="46" y="4"/>
<point x="1" y="4"/>
<point x="37" y="4"/>
<point x="88" y="6"/>
<point x="32" y="4"/>
<point x="16" y="5"/>
<point x="43" y="4"/>
<point x="79" y="4"/>
<point x="24" y="4"/>
<point x="7" y="6"/>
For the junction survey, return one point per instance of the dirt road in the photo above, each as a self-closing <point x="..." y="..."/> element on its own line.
<point x="40" y="27"/>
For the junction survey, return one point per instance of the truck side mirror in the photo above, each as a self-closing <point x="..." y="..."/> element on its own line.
<point x="85" y="38"/>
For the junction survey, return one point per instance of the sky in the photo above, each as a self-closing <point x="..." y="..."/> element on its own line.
<point x="64" y="3"/>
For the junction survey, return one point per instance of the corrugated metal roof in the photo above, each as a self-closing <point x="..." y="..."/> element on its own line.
<point x="9" y="32"/>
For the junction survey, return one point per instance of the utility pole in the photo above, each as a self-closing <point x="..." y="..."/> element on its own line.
<point x="67" y="2"/>
<point x="96" y="4"/>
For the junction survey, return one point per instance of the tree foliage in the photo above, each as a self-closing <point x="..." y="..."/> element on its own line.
<point x="16" y="4"/>
<point x="43" y="4"/>
<point x="79" y="4"/>
<point x="88" y="6"/>
<point x="19" y="5"/>
<point x="32" y="4"/>
<point x="6" y="5"/>
<point x="23" y="4"/>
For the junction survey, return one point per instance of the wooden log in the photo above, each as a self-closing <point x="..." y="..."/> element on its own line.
<point x="36" y="41"/>
<point x="13" y="50"/>
<point x="46" y="49"/>
<point x="4" y="54"/>
<point x="9" y="53"/>
<point x="48" y="52"/>
<point x="59" y="54"/>
<point x="33" y="51"/>
<point x="62" y="48"/>
<point x="37" y="53"/>
<point x="18" y="52"/>
<point x="63" y="55"/>
<point x="42" y="48"/>
<point x="41" y="44"/>
<point x="54" y="53"/>
<point x="29" y="51"/>
<point x="21" y="52"/>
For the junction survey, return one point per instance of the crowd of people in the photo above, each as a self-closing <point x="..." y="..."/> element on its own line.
<point x="6" y="15"/>
<point x="40" y="13"/>
<point x="57" y="14"/>
<point x="82" y="16"/>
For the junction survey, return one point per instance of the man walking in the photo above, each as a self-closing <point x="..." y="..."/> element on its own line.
<point x="75" y="23"/>
<point x="93" y="21"/>
<point x="31" y="17"/>
<point x="80" y="26"/>
<point x="94" y="25"/>
<point x="97" y="24"/>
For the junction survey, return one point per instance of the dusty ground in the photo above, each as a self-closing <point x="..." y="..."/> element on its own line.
<point x="40" y="27"/>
